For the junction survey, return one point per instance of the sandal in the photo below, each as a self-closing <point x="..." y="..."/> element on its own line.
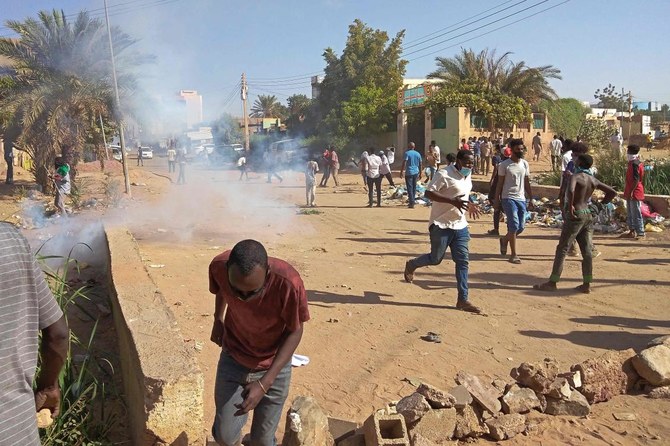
<point x="545" y="286"/>
<point x="516" y="260"/>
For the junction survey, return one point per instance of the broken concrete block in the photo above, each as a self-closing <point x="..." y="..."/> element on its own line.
<point x="653" y="364"/>
<point x="559" y="388"/>
<point x="357" y="439"/>
<point x="660" y="393"/>
<point x="607" y="375"/>
<point x="537" y="376"/>
<point x="385" y="430"/>
<point x="438" y="399"/>
<point x="437" y="425"/>
<point x="485" y="394"/>
<point x="574" y="378"/>
<point x="506" y="426"/>
<point x="306" y="424"/>
<point x="501" y="385"/>
<point x="340" y="428"/>
<point x="461" y="396"/>
<point x="412" y="407"/>
<point x="661" y="340"/>
<point x="419" y="440"/>
<point x="576" y="405"/>
<point x="520" y="400"/>
<point x="468" y="424"/>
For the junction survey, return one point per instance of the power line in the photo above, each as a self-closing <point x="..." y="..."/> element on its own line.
<point x="306" y="75"/>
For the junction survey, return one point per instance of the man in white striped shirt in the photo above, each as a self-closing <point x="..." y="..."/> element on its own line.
<point x="27" y="307"/>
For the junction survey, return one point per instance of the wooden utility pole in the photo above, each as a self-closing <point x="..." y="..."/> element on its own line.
<point x="243" y="95"/>
<point x="630" y="112"/>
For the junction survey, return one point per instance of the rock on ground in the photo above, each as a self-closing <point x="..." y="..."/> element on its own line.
<point x="461" y="396"/>
<point x="519" y="400"/>
<point x="661" y="340"/>
<point x="436" y="398"/>
<point x="485" y="394"/>
<point x="306" y="424"/>
<point x="412" y="407"/>
<point x="420" y="440"/>
<point x="653" y="364"/>
<point x="660" y="393"/>
<point x="576" y="405"/>
<point x="468" y="424"/>
<point x="607" y="375"/>
<point x="537" y="376"/>
<point x="437" y="425"/>
<point x="506" y="426"/>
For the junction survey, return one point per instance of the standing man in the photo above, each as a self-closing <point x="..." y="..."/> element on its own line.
<point x="555" y="147"/>
<point x="513" y="187"/>
<point x="650" y="142"/>
<point x="373" y="164"/>
<point x="486" y="149"/>
<point x="310" y="182"/>
<point x="578" y="223"/>
<point x="326" y="168"/>
<point x="242" y="165"/>
<point x="334" y="165"/>
<point x="450" y="191"/>
<point x="616" y="142"/>
<point x="181" y="161"/>
<point x="537" y="147"/>
<point x="260" y="308"/>
<point x="171" y="156"/>
<point x="28" y="307"/>
<point x="634" y="193"/>
<point x="477" y="152"/>
<point x="411" y="166"/>
<point x="385" y="168"/>
<point x="140" y="156"/>
<point x="9" y="159"/>
<point x="62" y="184"/>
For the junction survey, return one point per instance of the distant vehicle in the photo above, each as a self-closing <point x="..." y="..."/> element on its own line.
<point x="147" y="153"/>
<point x="291" y="153"/>
<point x="116" y="153"/>
<point x="203" y="149"/>
<point x="226" y="153"/>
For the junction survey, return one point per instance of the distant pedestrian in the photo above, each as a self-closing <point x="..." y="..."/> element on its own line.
<point x="385" y="168"/>
<point x="555" y="147"/>
<point x="616" y="143"/>
<point x="171" y="156"/>
<point x="374" y="177"/>
<point x="9" y="159"/>
<point x="477" y="153"/>
<point x="450" y="158"/>
<point x="512" y="190"/>
<point x="28" y="308"/>
<point x="464" y="145"/>
<point x="578" y="223"/>
<point x="181" y="161"/>
<point x="411" y="166"/>
<point x="431" y="164"/>
<point x="650" y="142"/>
<point x="62" y="184"/>
<point x="449" y="192"/>
<point x="310" y="182"/>
<point x="486" y="151"/>
<point x="334" y="165"/>
<point x="390" y="154"/>
<point x="326" y="167"/>
<point x="436" y="153"/>
<point x="242" y="166"/>
<point x="271" y="161"/>
<point x="634" y="193"/>
<point x="537" y="147"/>
<point x="140" y="156"/>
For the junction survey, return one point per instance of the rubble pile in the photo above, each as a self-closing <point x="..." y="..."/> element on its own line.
<point x="477" y="407"/>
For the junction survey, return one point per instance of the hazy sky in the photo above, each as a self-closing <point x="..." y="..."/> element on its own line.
<point x="206" y="44"/>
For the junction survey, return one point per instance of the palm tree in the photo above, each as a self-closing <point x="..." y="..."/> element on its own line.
<point x="60" y="83"/>
<point x="488" y="71"/>
<point x="265" y="106"/>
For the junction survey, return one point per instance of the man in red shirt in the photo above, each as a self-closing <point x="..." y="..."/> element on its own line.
<point x="261" y="305"/>
<point x="634" y="193"/>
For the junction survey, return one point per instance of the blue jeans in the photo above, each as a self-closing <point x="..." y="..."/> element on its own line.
<point x="410" y="182"/>
<point x="456" y="240"/>
<point x="515" y="211"/>
<point x="231" y="378"/>
<point x="635" y="220"/>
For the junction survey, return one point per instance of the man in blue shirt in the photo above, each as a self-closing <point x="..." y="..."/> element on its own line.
<point x="411" y="166"/>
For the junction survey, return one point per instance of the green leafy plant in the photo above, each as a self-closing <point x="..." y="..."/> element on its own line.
<point x="80" y="187"/>
<point x="112" y="188"/>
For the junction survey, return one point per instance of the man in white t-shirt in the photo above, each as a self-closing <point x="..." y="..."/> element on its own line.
<point x="374" y="177"/>
<point x="450" y="191"/>
<point x="385" y="168"/>
<point x="242" y="165"/>
<point x="310" y="182"/>
<point x="555" y="147"/>
<point x="436" y="153"/>
<point x="513" y="187"/>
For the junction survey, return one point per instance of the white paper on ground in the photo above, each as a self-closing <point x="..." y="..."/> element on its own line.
<point x="299" y="360"/>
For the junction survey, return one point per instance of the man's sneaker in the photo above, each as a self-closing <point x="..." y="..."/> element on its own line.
<point x="493" y="232"/>
<point x="465" y="305"/>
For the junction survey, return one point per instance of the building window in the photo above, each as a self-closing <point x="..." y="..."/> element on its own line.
<point x="538" y="121"/>
<point x="478" y="122"/>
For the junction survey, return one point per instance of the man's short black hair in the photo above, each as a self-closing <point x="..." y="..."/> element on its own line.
<point x="247" y="255"/>
<point x="451" y="158"/>
<point x="579" y="147"/>
<point x="633" y="149"/>
<point x="567" y="144"/>
<point x="585" y="160"/>
<point x="515" y="142"/>
<point x="463" y="153"/>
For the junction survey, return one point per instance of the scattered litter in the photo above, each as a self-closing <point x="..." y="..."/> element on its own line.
<point x="299" y="360"/>
<point x="198" y="346"/>
<point x="411" y="330"/>
<point x="332" y="319"/>
<point x="652" y="228"/>
<point x="138" y="184"/>
<point x="178" y="303"/>
<point x="432" y="337"/>
<point x="156" y="265"/>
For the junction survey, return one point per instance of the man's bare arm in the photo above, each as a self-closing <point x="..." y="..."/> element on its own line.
<point x="610" y="192"/>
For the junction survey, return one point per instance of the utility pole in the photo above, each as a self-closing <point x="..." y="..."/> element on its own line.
<point x="117" y="112"/>
<point x="104" y="138"/>
<point x="243" y="95"/>
<point x="630" y="112"/>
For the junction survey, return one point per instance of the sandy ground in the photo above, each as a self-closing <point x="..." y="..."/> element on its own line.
<point x="364" y="335"/>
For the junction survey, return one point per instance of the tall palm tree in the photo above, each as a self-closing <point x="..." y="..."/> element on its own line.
<point x="60" y="83"/>
<point x="489" y="71"/>
<point x="265" y="106"/>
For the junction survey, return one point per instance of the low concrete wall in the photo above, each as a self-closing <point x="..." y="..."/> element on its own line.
<point x="659" y="203"/>
<point x="162" y="381"/>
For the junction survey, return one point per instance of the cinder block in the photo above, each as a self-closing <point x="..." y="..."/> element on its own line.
<point x="386" y="430"/>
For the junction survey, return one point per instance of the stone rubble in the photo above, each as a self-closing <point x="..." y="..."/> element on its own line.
<point x="653" y="364"/>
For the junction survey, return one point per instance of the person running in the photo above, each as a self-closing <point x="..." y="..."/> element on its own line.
<point x="555" y="147"/>
<point x="326" y="167"/>
<point x="242" y="165"/>
<point x="537" y="147"/>
<point x="449" y="192"/>
<point x="578" y="223"/>
<point x="513" y="187"/>
<point x="385" y="168"/>
<point x="171" y="156"/>
<point x="411" y="166"/>
<point x="259" y="312"/>
<point x="310" y="182"/>
<point x="634" y="193"/>
<point x="374" y="177"/>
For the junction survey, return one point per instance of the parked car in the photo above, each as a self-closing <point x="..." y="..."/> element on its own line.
<point x="116" y="153"/>
<point x="226" y="153"/>
<point x="147" y="153"/>
<point x="291" y="153"/>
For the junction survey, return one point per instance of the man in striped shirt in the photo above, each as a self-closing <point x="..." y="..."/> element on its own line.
<point x="27" y="307"/>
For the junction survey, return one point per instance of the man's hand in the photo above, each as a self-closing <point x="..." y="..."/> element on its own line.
<point x="474" y="210"/>
<point x="530" y="205"/>
<point x="48" y="398"/>
<point x="461" y="204"/>
<point x="217" y="333"/>
<point x="253" y="393"/>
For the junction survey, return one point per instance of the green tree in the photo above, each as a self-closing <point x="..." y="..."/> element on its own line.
<point x="265" y="106"/>
<point x="369" y="66"/>
<point x="61" y="83"/>
<point x="299" y="114"/>
<point x="226" y="130"/>
<point x="488" y="71"/>
<point x="566" y="116"/>
<point x="596" y="134"/>
<point x="609" y="97"/>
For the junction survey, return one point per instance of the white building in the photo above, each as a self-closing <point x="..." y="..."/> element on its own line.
<point x="192" y="103"/>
